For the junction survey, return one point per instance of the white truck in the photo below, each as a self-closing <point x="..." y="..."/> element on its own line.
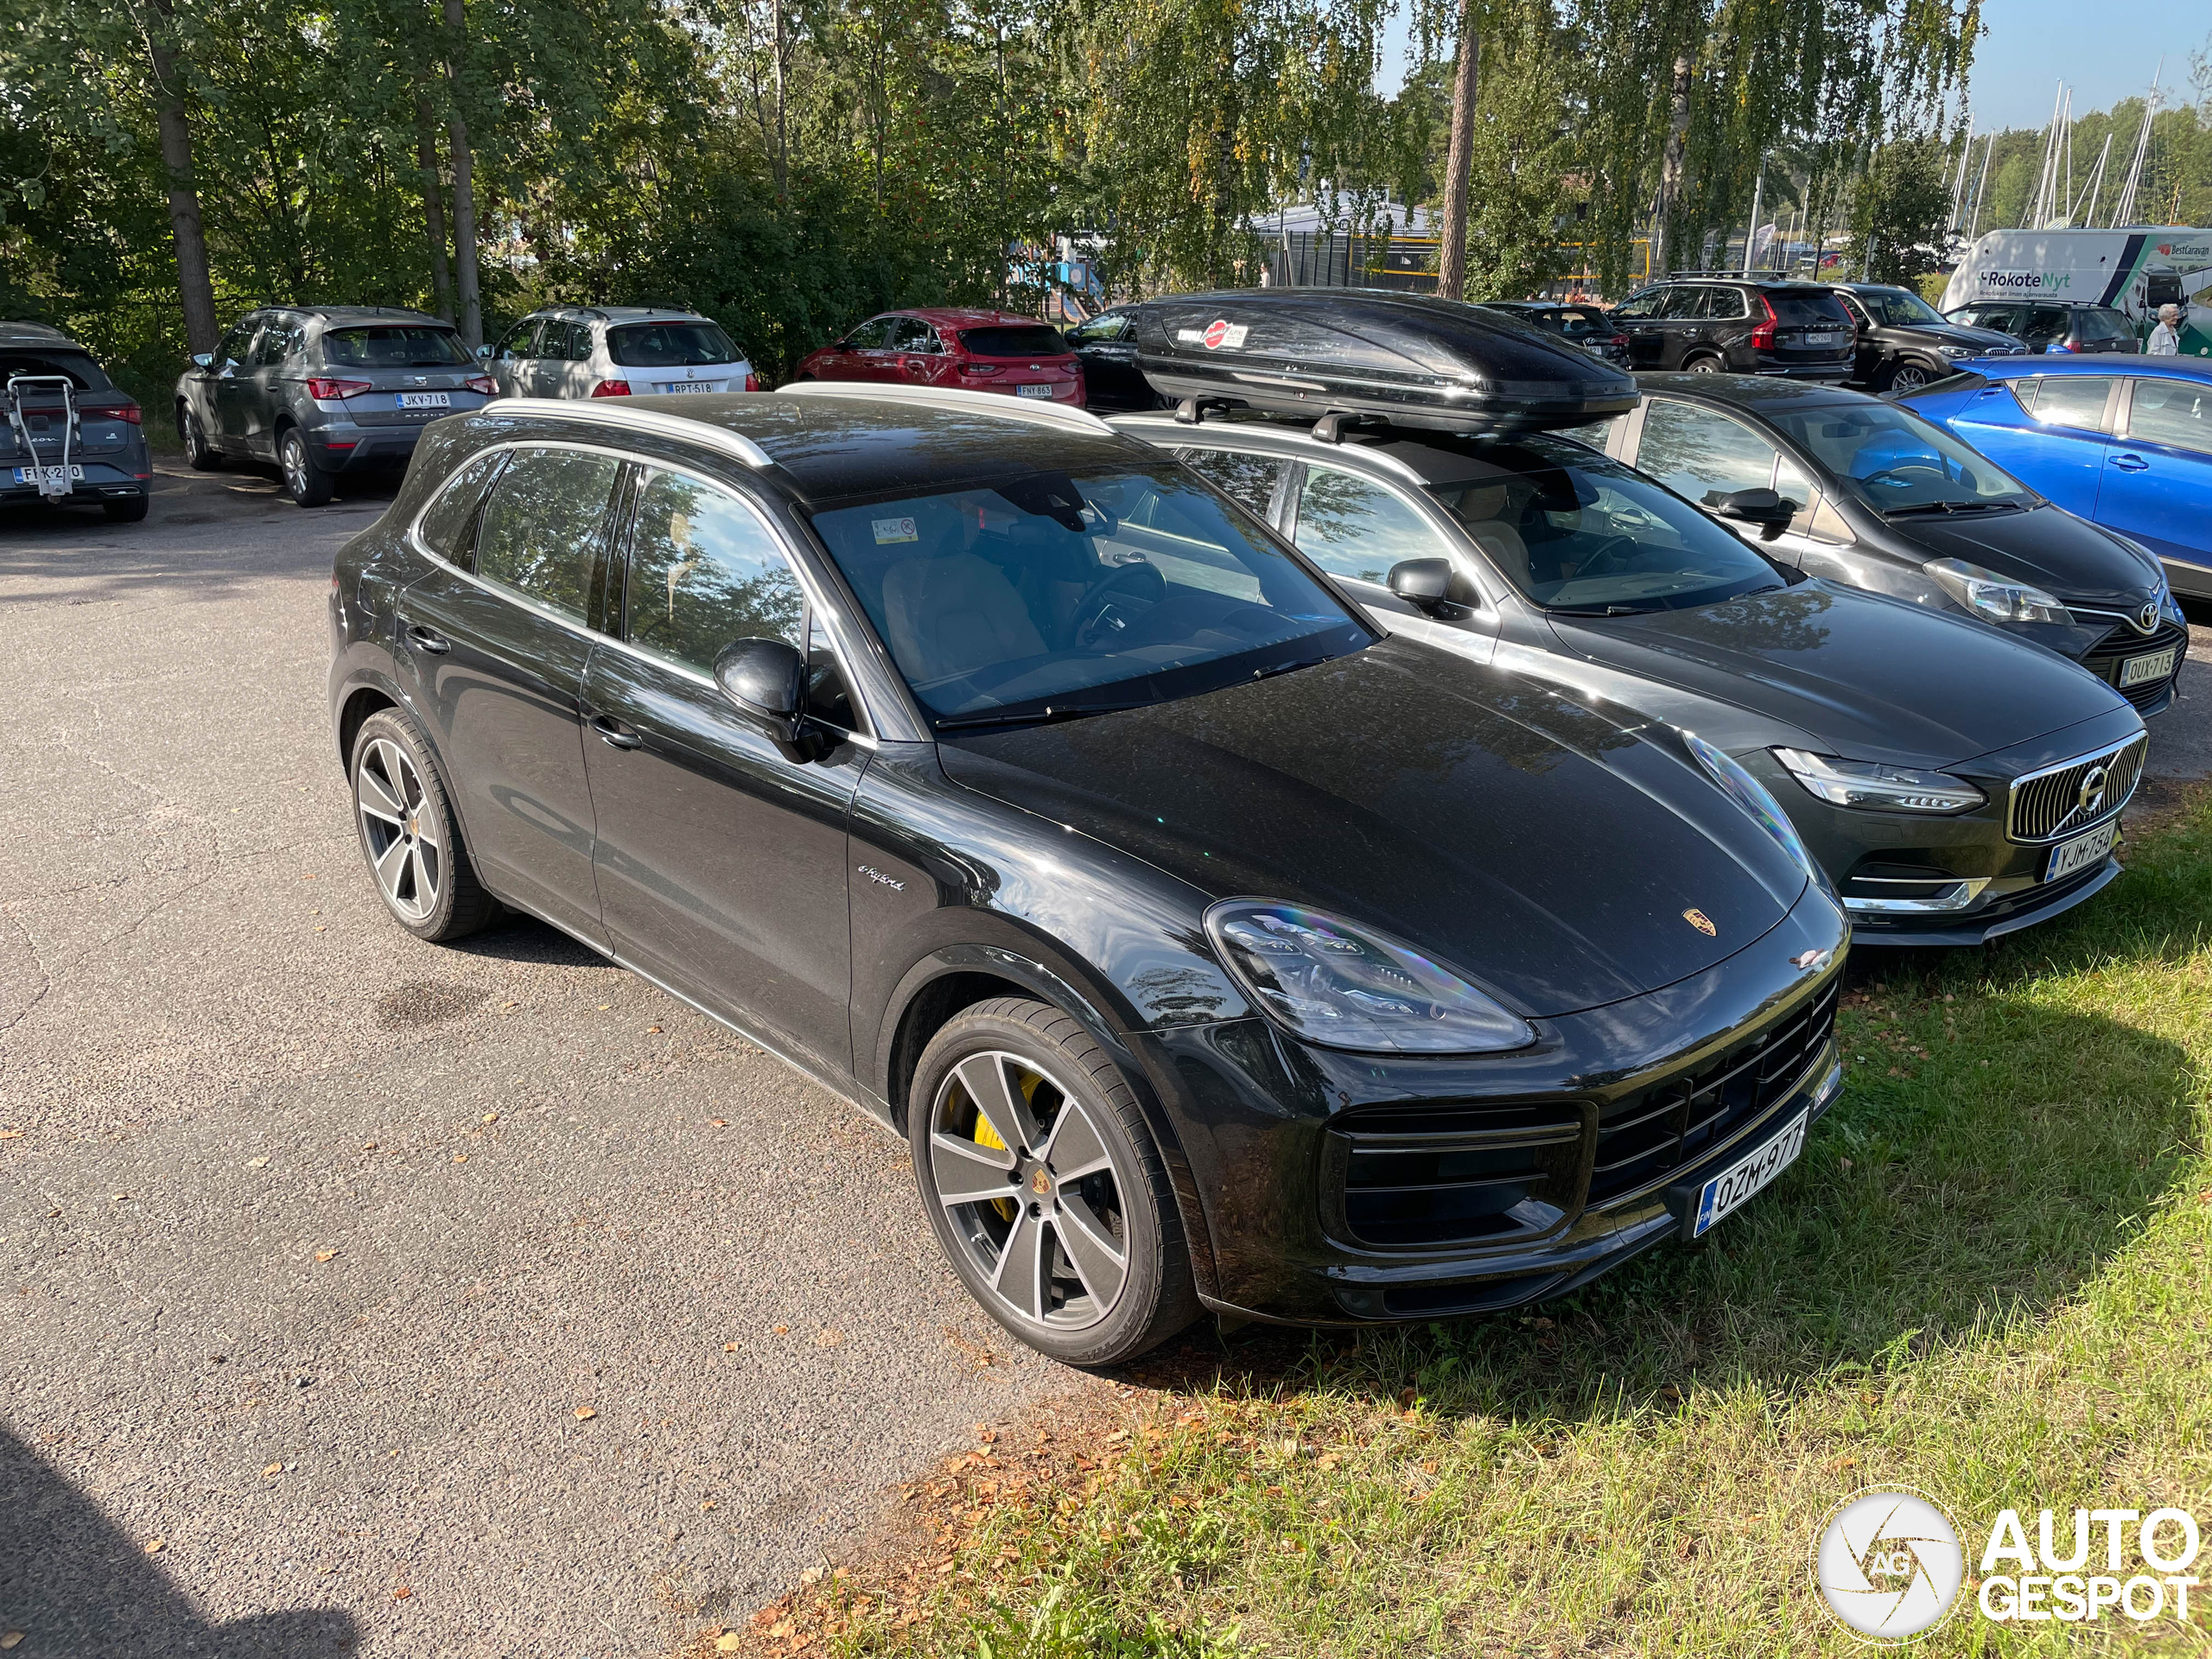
<point x="2135" y="271"/>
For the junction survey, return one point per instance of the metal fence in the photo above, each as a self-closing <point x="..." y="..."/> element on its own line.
<point x="1325" y="259"/>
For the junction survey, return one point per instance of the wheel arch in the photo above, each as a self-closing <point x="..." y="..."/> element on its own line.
<point x="360" y="703"/>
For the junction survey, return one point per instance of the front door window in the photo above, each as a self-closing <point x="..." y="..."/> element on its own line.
<point x="1352" y="526"/>
<point x="1701" y="454"/>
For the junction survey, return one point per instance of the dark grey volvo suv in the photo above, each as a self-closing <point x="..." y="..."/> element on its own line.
<point x="1209" y="945"/>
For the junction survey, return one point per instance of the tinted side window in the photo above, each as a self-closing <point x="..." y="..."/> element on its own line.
<point x="1638" y="307"/>
<point x="2043" y="324"/>
<point x="1683" y="305"/>
<point x="540" y="533"/>
<point x="2076" y="400"/>
<point x="871" y="336"/>
<point x="1352" y="527"/>
<point x="1701" y="454"/>
<point x="2176" y="412"/>
<point x="1725" y="304"/>
<point x="446" y="522"/>
<point x="703" y="572"/>
<point x="1248" y="479"/>
<point x="1112" y="326"/>
<point x="2105" y="325"/>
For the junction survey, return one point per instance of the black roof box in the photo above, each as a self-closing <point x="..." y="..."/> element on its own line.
<point x="1409" y="358"/>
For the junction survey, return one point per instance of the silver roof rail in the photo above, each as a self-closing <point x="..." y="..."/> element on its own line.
<point x="999" y="403"/>
<point x="602" y="411"/>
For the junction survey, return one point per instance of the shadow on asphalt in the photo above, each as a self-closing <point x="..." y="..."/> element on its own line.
<point x="73" y="1584"/>
<point x="524" y="938"/>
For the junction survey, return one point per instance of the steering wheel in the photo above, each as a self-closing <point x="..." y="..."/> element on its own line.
<point x="1136" y="582"/>
<point x="1906" y="477"/>
<point x="1606" y="558"/>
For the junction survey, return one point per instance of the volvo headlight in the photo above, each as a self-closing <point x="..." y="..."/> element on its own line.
<point x="1877" y="787"/>
<point x="1347" y="986"/>
<point x="1992" y="597"/>
<point x="1752" y="795"/>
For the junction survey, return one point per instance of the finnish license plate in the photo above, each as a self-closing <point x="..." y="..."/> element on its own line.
<point x="1032" y="391"/>
<point x="2156" y="666"/>
<point x="49" y="477"/>
<point x="689" y="385"/>
<point x="2081" y="852"/>
<point x="1830" y="338"/>
<point x="426" y="400"/>
<point x="1727" y="1191"/>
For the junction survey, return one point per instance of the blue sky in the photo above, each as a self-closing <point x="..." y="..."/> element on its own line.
<point x="2105" y="54"/>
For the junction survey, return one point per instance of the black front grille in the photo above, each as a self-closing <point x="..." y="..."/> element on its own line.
<point x="2072" y="797"/>
<point x="1645" y="1138"/>
<point x="2123" y="645"/>
<point x="1440" y="1175"/>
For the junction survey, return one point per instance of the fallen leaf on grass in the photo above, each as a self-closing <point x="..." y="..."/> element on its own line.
<point x="585" y="1413"/>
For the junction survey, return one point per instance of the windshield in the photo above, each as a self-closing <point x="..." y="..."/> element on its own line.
<point x="1895" y="461"/>
<point x="392" y="347"/>
<point x="1050" y="594"/>
<point x="669" y="345"/>
<point x="1575" y="531"/>
<point x="1897" y="307"/>
<point x="1027" y="339"/>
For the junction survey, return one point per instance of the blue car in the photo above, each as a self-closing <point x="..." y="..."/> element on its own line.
<point x="2126" y="443"/>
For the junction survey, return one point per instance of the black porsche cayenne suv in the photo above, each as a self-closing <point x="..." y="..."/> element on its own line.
<point x="1211" y="946"/>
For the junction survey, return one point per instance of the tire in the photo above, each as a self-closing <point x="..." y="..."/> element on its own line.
<point x="405" y="822"/>
<point x="199" y="454"/>
<point x="1081" y="1170"/>
<point x="127" y="513"/>
<point x="1703" y="365"/>
<point x="304" y="480"/>
<point x="1907" y="377"/>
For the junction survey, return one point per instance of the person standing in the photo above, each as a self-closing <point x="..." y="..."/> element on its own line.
<point x="2165" y="339"/>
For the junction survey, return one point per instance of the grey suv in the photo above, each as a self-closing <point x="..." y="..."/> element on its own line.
<point x="615" y="351"/>
<point x="68" y="433"/>
<point x="324" y="390"/>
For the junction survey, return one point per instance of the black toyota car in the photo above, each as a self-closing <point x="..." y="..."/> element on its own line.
<point x="1211" y="946"/>
<point x="1884" y="499"/>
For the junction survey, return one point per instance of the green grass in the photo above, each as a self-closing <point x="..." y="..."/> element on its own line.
<point x="1984" y="1278"/>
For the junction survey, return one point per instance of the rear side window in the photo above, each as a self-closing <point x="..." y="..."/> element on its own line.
<point x="391" y="345"/>
<point x="1249" y="480"/>
<point x="83" y="373"/>
<point x="2076" y="400"/>
<point x="1014" y="340"/>
<point x="669" y="345"/>
<point x="540" y="533"/>
<point x="1726" y="303"/>
<point x="1807" y="307"/>
<point x="1682" y="305"/>
<point x="2174" y="412"/>
<point x="445" y="523"/>
<point x="705" y="572"/>
<point x="2105" y="325"/>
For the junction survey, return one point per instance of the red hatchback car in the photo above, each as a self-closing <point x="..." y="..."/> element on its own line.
<point x="972" y="351"/>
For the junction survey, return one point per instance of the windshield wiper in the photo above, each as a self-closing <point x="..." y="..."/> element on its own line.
<point x="1948" y="507"/>
<point x="1037" y="717"/>
<point x="1270" y="671"/>
<point x="1601" y="610"/>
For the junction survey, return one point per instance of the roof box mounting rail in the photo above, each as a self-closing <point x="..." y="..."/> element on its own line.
<point x="1192" y="410"/>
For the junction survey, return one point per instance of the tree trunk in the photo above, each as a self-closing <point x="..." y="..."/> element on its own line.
<point x="471" y="314"/>
<point x="195" y="287"/>
<point x="434" y="206"/>
<point x="1670" y="166"/>
<point x="1458" y="163"/>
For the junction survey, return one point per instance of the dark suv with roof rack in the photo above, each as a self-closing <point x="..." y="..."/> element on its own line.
<point x="320" y="390"/>
<point x="1739" y="324"/>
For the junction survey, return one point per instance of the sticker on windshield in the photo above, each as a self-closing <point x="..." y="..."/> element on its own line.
<point x="893" y="529"/>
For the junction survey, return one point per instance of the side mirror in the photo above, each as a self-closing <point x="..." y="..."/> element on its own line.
<point x="766" y="679"/>
<point x="484" y="352"/>
<point x="1425" y="583"/>
<point x="1764" y="508"/>
<point x="203" y="359"/>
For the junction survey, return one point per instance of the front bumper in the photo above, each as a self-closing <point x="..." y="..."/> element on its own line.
<point x="1552" y="1165"/>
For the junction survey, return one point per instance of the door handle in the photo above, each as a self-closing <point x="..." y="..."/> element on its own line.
<point x="615" y="734"/>
<point x="429" y="640"/>
<point x="2131" y="463"/>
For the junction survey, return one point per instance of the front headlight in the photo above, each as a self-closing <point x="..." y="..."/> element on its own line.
<point x="1957" y="351"/>
<point x="1992" y="597"/>
<point x="1351" y="987"/>
<point x="1753" y="797"/>
<point x="1879" y="788"/>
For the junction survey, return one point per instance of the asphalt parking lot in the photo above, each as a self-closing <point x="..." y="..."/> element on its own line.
<point x="371" y="1295"/>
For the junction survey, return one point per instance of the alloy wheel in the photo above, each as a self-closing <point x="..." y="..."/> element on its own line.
<point x="295" y="462"/>
<point x="1908" y="377"/>
<point x="400" y="827"/>
<point x="1030" y="1187"/>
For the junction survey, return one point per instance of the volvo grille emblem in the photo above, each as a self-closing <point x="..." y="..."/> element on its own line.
<point x="1699" y="920"/>
<point x="2092" y="796"/>
<point x="2147" y="622"/>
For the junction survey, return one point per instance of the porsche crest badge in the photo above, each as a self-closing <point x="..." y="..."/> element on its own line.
<point x="1703" y="923"/>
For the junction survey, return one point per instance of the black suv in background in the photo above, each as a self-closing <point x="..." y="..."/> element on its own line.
<point x="1905" y="342"/>
<point x="2052" y="325"/>
<point x="1708" y="325"/>
<point x="1589" y="327"/>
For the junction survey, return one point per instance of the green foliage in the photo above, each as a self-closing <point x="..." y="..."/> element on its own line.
<point x="1902" y="202"/>
<point x="2177" y="183"/>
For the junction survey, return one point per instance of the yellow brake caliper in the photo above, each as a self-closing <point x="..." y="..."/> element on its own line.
<point x="987" y="1136"/>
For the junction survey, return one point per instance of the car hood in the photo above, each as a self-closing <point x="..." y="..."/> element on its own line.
<point x="1544" y="850"/>
<point x="1959" y="333"/>
<point x="2047" y="546"/>
<point x="1867" y="677"/>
